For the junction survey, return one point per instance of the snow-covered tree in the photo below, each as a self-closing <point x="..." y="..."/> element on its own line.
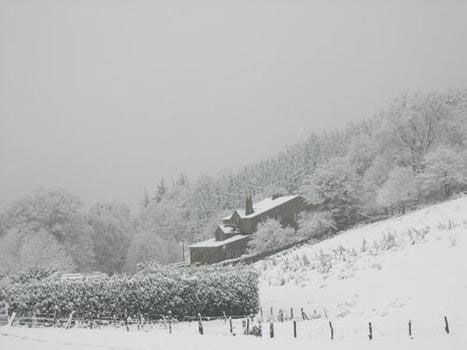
<point x="269" y="191"/>
<point x="160" y="191"/>
<point x="112" y="231"/>
<point x="361" y="153"/>
<point x="271" y="235"/>
<point x="399" y="188"/>
<point x="371" y="182"/>
<point x="315" y="225"/>
<point x="146" y="200"/>
<point x="207" y="231"/>
<point x="417" y="123"/>
<point x="28" y="250"/>
<point x="42" y="251"/>
<point x="332" y="188"/>
<point x="60" y="214"/>
<point x="149" y="246"/>
<point x="10" y="245"/>
<point x="445" y="171"/>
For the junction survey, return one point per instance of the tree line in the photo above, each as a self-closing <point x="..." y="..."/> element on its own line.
<point x="410" y="154"/>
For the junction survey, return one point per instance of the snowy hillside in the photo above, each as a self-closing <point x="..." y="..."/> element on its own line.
<point x="412" y="267"/>
<point x="407" y="268"/>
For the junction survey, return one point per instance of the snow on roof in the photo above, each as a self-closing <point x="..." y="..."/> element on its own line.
<point x="263" y="206"/>
<point x="228" y="229"/>
<point x="240" y="212"/>
<point x="213" y="243"/>
<point x="267" y="204"/>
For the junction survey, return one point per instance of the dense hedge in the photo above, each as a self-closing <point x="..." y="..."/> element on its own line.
<point x="151" y="292"/>
<point x="26" y="276"/>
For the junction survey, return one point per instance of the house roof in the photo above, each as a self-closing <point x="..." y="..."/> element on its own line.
<point x="264" y="206"/>
<point x="213" y="243"/>
<point x="229" y="229"/>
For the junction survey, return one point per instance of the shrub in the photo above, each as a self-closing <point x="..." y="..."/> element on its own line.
<point x="315" y="225"/>
<point x="325" y="261"/>
<point x="271" y="235"/>
<point x="364" y="247"/>
<point x="152" y="292"/>
<point x="388" y="241"/>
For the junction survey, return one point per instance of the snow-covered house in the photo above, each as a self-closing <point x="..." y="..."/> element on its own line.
<point x="231" y="237"/>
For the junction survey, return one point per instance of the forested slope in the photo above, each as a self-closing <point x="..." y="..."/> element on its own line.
<point x="412" y="153"/>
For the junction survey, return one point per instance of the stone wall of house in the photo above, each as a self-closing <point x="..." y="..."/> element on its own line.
<point x="212" y="255"/>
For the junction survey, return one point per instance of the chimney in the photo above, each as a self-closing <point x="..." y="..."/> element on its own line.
<point x="249" y="205"/>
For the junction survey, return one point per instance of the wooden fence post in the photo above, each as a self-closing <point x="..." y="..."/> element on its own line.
<point x="225" y="317"/>
<point x="271" y="329"/>
<point x="291" y="313"/>
<point x="370" y="331"/>
<point x="55" y="316"/>
<point x="446" y="325"/>
<point x="247" y="330"/>
<point x="294" y="329"/>
<point x="410" y="329"/>
<point x="170" y="322"/>
<point x="332" y="330"/>
<point x="200" y="324"/>
<point x="304" y="315"/>
<point x="261" y="313"/>
<point x="272" y="314"/>
<point x="230" y="323"/>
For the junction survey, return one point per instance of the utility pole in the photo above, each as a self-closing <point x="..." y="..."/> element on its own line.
<point x="183" y="251"/>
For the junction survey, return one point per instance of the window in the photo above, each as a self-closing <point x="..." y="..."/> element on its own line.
<point x="232" y="253"/>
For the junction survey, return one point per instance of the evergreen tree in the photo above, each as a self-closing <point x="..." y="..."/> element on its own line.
<point x="146" y="201"/>
<point x="161" y="191"/>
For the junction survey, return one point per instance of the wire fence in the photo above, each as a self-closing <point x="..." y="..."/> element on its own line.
<point x="299" y="325"/>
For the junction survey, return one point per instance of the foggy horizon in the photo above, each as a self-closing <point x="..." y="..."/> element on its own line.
<point x="105" y="98"/>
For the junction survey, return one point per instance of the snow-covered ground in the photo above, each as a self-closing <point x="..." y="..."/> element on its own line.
<point x="413" y="267"/>
<point x="84" y="339"/>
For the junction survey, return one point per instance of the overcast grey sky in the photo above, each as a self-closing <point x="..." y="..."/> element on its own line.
<point x="104" y="97"/>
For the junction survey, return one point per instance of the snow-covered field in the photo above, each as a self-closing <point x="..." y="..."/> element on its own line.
<point x="84" y="339"/>
<point x="413" y="267"/>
